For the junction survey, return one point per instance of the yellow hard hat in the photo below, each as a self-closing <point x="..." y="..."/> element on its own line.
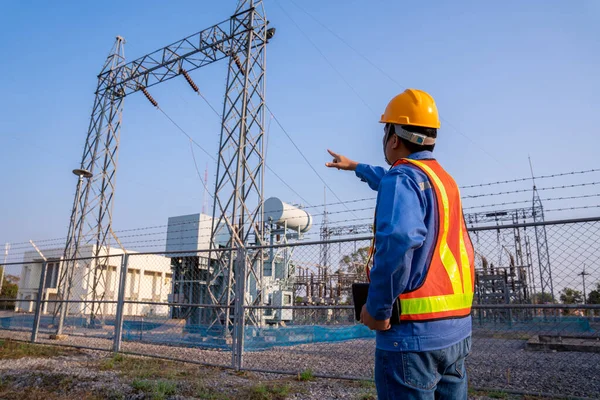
<point x="412" y="107"/>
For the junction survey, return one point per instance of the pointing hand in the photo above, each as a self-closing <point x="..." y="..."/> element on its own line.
<point x="341" y="162"/>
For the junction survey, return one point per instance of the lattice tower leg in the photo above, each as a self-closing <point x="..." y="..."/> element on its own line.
<point x="546" y="283"/>
<point x="91" y="215"/>
<point x="238" y="202"/>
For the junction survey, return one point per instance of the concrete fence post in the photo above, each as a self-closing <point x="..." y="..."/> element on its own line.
<point x="120" y="304"/>
<point x="39" y="304"/>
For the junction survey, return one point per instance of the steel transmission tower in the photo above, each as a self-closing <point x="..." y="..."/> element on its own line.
<point x="541" y="240"/>
<point x="546" y="283"/>
<point x="325" y="236"/>
<point x="238" y="202"/>
<point x="91" y="215"/>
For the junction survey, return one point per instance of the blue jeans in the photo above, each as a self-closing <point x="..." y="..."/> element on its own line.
<point x="437" y="374"/>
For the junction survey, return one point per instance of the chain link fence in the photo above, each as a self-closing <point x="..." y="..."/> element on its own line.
<point x="536" y="316"/>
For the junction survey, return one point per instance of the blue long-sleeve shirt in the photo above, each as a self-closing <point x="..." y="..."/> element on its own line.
<point x="406" y="230"/>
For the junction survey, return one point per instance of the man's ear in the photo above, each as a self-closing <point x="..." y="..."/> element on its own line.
<point x="396" y="142"/>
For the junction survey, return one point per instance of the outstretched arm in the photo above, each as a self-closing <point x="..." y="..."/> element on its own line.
<point x="366" y="173"/>
<point x="370" y="174"/>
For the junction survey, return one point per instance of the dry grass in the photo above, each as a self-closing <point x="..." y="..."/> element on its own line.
<point x="122" y="376"/>
<point x="159" y="379"/>
<point x="152" y="368"/>
<point x="50" y="389"/>
<point x="11" y="350"/>
<point x="159" y="390"/>
<point x="272" y="391"/>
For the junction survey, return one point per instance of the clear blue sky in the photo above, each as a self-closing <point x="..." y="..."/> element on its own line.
<point x="511" y="79"/>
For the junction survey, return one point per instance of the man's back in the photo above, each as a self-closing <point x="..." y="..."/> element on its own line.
<point x="422" y="257"/>
<point x="391" y="209"/>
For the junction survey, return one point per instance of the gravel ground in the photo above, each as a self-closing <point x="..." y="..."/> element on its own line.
<point x="494" y="363"/>
<point x="76" y="375"/>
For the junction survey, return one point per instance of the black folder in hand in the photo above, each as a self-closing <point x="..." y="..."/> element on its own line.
<point x="360" y="291"/>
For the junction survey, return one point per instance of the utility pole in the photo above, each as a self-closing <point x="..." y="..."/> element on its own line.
<point x="583" y="274"/>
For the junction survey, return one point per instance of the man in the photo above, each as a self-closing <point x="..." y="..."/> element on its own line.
<point x="423" y="260"/>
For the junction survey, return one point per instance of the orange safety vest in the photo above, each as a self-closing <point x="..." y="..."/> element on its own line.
<point x="447" y="291"/>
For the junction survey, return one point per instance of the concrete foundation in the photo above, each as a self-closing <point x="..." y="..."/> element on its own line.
<point x="589" y="344"/>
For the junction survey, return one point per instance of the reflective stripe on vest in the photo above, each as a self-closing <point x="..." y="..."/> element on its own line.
<point x="447" y="291"/>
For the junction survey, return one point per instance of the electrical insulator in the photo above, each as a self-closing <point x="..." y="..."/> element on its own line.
<point x="148" y="96"/>
<point x="189" y="80"/>
<point x="239" y="64"/>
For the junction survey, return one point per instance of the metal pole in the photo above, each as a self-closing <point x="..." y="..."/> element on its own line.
<point x="241" y="163"/>
<point x="583" y="274"/>
<point x="236" y="315"/>
<point x="120" y="304"/>
<point x="38" y="304"/>
<point x="239" y="312"/>
<point x="66" y="289"/>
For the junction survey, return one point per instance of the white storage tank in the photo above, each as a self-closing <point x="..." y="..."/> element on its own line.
<point x="280" y="213"/>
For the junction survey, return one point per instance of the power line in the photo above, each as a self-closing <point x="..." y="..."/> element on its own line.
<point x="530" y="178"/>
<point x="462" y="187"/>
<point x="391" y="78"/>
<point x="287" y="185"/>
<point x="214" y="159"/>
<point x="346" y="202"/>
<point x="278" y="123"/>
<point x="27" y="244"/>
<point x="210" y="105"/>
<point x="195" y="237"/>
<point x="327" y="60"/>
<point x="129" y="243"/>
<point x="304" y="157"/>
<point x="186" y="134"/>
<point x="139" y="229"/>
<point x="267" y="134"/>
<point x="182" y="230"/>
<point x="198" y="171"/>
<point x="145" y="228"/>
<point x="188" y="222"/>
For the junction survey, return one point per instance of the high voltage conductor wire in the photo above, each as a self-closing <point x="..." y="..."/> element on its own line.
<point x="314" y="206"/>
<point x="343" y="202"/>
<point x="373" y="65"/>
<point x="327" y="60"/>
<point x="193" y="229"/>
<point x="306" y="159"/>
<point x="214" y="159"/>
<point x="197" y="90"/>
